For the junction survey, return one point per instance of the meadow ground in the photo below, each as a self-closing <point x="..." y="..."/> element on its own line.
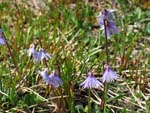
<point x="70" y="32"/>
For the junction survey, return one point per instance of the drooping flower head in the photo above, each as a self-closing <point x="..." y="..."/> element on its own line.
<point x="2" y="39"/>
<point x="42" y="54"/>
<point x="55" y="80"/>
<point x="106" y="20"/>
<point x="38" y="55"/>
<point x="90" y="82"/>
<point x="44" y="75"/>
<point x="109" y="75"/>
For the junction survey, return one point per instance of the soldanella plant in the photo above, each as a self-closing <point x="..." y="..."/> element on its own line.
<point x="53" y="79"/>
<point x="109" y="75"/>
<point x="2" y="38"/>
<point x="106" y="21"/>
<point x="91" y="82"/>
<point x="44" y="74"/>
<point x="55" y="58"/>
<point x="38" y="55"/>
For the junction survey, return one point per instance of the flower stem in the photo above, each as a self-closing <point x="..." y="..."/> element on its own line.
<point x="89" y="104"/>
<point x="106" y="40"/>
<point x="103" y="103"/>
<point x="12" y="56"/>
<point x="105" y="96"/>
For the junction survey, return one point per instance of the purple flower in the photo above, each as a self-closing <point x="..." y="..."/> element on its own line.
<point x="108" y="17"/>
<point x="38" y="56"/>
<point x="44" y="75"/>
<point x="42" y="54"/>
<point x="2" y="39"/>
<point x="90" y="82"/>
<point x="55" y="80"/>
<point x="109" y="75"/>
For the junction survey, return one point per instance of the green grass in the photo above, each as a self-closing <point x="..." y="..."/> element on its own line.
<point x="68" y="34"/>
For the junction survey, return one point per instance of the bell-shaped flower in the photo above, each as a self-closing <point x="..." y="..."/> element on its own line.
<point x="109" y="75"/>
<point x="32" y="52"/>
<point x="2" y="39"/>
<point x="55" y="80"/>
<point x="90" y="82"/>
<point x="106" y="21"/>
<point x="38" y="56"/>
<point x="44" y="75"/>
<point x="42" y="54"/>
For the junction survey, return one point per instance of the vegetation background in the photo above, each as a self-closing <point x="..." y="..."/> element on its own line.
<point x="68" y="29"/>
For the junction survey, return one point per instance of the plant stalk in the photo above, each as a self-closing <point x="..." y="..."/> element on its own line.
<point x="12" y="56"/>
<point x="103" y="103"/>
<point x="106" y="41"/>
<point x="89" y="104"/>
